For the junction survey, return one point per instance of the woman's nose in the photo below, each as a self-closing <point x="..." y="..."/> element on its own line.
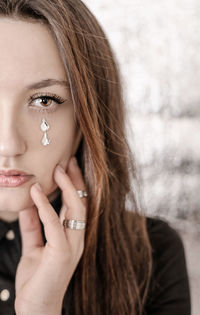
<point x="11" y="140"/>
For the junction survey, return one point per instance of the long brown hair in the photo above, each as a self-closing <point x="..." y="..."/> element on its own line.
<point x="113" y="274"/>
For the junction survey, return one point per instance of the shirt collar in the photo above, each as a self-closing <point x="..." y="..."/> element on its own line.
<point x="3" y="228"/>
<point x="6" y="226"/>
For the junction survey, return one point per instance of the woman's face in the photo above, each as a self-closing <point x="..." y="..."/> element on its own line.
<point x="29" y="59"/>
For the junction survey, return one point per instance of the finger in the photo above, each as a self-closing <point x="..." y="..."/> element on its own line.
<point x="69" y="192"/>
<point x="75" y="208"/>
<point x="74" y="172"/>
<point x="76" y="177"/>
<point x="62" y="214"/>
<point x="30" y="228"/>
<point x="53" y="230"/>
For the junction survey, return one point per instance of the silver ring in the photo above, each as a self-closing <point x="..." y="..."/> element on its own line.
<point x="74" y="224"/>
<point x="82" y="193"/>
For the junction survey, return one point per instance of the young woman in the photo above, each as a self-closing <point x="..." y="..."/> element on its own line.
<point x="68" y="244"/>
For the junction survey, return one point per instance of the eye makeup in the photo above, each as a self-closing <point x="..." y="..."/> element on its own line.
<point x="46" y="102"/>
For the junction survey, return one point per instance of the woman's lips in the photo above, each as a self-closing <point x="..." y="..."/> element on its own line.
<point x="13" y="180"/>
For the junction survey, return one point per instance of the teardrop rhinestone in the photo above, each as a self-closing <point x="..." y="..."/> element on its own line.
<point x="45" y="140"/>
<point x="44" y="125"/>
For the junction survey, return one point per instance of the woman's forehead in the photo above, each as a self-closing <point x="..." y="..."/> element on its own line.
<point x="28" y="49"/>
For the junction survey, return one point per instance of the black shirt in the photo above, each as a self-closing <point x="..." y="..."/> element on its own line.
<point x="169" y="290"/>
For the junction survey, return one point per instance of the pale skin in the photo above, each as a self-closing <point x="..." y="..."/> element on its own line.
<point x="28" y="54"/>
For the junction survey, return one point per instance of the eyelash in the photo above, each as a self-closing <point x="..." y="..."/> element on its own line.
<point x="47" y="96"/>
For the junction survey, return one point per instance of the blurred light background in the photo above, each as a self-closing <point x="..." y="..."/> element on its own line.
<point x="157" y="45"/>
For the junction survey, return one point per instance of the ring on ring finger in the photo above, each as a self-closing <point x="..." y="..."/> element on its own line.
<point x="74" y="224"/>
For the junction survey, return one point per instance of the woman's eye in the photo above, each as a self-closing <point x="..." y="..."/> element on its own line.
<point x="46" y="102"/>
<point x="43" y="101"/>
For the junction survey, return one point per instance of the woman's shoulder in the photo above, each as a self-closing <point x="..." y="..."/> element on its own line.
<point x="169" y="285"/>
<point x="169" y="288"/>
<point x="161" y="233"/>
<point x="165" y="240"/>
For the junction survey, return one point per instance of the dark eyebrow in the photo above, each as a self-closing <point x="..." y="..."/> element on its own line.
<point x="47" y="82"/>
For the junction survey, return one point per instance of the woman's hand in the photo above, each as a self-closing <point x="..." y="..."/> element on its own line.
<point x="44" y="271"/>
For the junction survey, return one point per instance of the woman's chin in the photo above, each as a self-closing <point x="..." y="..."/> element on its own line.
<point x="14" y="200"/>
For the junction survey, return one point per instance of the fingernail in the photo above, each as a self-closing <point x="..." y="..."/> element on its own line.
<point x="37" y="185"/>
<point x="60" y="169"/>
<point x="74" y="161"/>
